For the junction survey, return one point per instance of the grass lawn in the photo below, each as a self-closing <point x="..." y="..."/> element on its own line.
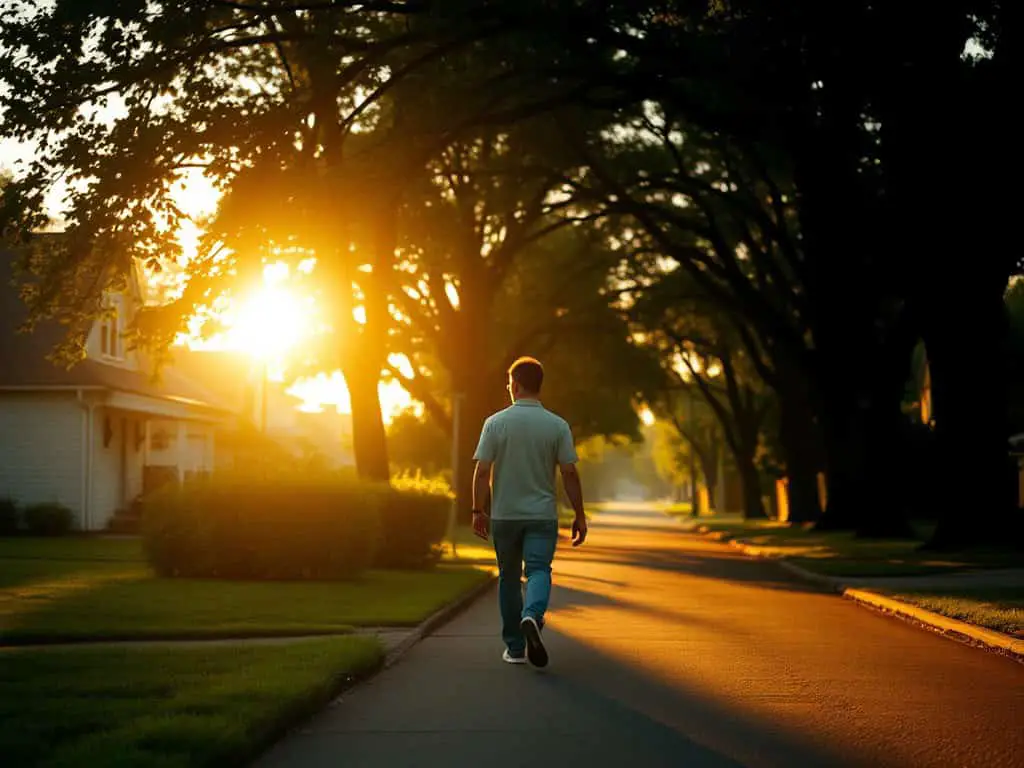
<point x="998" y="608"/>
<point x="164" y="707"/>
<point x="95" y="589"/>
<point x="843" y="554"/>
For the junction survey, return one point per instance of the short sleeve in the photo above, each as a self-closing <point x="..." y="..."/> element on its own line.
<point x="487" y="448"/>
<point x="566" y="446"/>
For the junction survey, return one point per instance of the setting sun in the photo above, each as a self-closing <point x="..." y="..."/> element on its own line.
<point x="269" y="323"/>
<point x="275" y="320"/>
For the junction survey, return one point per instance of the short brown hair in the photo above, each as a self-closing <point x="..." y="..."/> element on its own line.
<point x="528" y="373"/>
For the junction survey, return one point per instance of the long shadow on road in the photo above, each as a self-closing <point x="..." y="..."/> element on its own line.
<point x="671" y="651"/>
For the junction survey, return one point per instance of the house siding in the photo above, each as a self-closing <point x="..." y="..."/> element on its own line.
<point x="41" y="449"/>
<point x="118" y="461"/>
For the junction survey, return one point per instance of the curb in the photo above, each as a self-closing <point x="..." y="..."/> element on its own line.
<point x="987" y="637"/>
<point x="434" y="622"/>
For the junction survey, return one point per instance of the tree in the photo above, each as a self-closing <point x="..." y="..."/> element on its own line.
<point x="699" y="349"/>
<point x="682" y="408"/>
<point x="671" y="454"/>
<point x="495" y="263"/>
<point x="122" y="100"/>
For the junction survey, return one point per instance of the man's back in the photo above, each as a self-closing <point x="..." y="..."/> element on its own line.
<point x="525" y="442"/>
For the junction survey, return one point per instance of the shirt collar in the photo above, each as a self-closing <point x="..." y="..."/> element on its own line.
<point x="527" y="402"/>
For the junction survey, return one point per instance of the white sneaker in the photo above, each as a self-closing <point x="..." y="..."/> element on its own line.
<point x="508" y="658"/>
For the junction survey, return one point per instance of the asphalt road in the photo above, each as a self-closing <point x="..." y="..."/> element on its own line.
<point x="670" y="650"/>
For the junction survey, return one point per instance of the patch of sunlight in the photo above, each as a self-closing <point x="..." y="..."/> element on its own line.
<point x="38" y="594"/>
<point x="471" y="553"/>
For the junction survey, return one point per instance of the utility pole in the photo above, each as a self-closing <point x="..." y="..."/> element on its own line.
<point x="694" y="501"/>
<point x="454" y="512"/>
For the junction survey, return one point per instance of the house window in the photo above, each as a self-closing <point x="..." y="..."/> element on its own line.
<point x="110" y="333"/>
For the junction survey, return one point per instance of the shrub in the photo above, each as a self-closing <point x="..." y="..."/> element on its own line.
<point x="48" y="519"/>
<point x="267" y="527"/>
<point x="414" y="517"/>
<point x="8" y="517"/>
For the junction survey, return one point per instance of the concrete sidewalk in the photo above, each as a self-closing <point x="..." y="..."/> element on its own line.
<point x="671" y="650"/>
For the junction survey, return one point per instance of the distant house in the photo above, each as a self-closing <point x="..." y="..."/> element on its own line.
<point x="97" y="435"/>
<point x="237" y="380"/>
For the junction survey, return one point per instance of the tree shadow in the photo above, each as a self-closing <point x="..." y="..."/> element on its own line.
<point x="723" y="566"/>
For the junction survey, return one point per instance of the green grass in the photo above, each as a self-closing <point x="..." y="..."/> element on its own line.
<point x="844" y="554"/>
<point x="166" y="707"/>
<point x="96" y="589"/>
<point x="998" y="608"/>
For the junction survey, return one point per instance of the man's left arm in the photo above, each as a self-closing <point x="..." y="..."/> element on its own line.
<point x="481" y="495"/>
<point x="485" y="454"/>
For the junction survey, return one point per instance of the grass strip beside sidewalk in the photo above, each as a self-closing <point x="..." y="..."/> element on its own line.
<point x="998" y="608"/>
<point x="164" y="707"/>
<point x="842" y="555"/>
<point x="96" y="589"/>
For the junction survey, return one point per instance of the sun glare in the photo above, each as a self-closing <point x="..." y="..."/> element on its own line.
<point x="646" y="416"/>
<point x="275" y="319"/>
<point x="268" y="323"/>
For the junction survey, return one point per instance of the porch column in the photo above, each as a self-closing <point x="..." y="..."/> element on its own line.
<point x="145" y="445"/>
<point x="182" y="450"/>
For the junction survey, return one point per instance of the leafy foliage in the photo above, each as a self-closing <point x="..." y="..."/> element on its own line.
<point x="263" y="527"/>
<point x="414" y="518"/>
<point x="48" y="519"/>
<point x="9" y="517"/>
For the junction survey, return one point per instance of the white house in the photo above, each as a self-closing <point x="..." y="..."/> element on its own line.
<point x="95" y="436"/>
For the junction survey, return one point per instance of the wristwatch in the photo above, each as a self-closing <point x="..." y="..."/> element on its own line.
<point x="479" y="512"/>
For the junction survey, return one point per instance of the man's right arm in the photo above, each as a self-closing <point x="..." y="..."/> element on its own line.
<point x="574" y="490"/>
<point x="567" y="459"/>
<point x="573" y="487"/>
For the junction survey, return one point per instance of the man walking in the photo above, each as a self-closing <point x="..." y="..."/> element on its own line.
<point x="515" y="469"/>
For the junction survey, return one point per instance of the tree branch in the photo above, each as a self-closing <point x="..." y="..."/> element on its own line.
<point x="419" y="390"/>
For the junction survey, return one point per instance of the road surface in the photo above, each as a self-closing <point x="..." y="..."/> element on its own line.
<point x="671" y="650"/>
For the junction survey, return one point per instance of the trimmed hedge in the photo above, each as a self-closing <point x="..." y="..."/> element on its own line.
<point x="266" y="527"/>
<point x="8" y="517"/>
<point x="414" y="522"/>
<point x="48" y="519"/>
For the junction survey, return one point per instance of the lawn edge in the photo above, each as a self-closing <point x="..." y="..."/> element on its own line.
<point x="45" y="640"/>
<point x="425" y="628"/>
<point x="946" y="626"/>
<point x="302" y="711"/>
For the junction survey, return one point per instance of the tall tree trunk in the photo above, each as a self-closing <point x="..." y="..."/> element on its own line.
<point x="365" y="348"/>
<point x="708" y="456"/>
<point x="800" y="448"/>
<point x="753" y="503"/>
<point x="971" y="424"/>
<point x="861" y="428"/>
<point x="368" y="436"/>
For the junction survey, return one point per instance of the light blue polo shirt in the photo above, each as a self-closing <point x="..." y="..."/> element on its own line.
<point x="525" y="442"/>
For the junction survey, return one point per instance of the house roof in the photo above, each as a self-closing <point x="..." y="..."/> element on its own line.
<point x="24" y="363"/>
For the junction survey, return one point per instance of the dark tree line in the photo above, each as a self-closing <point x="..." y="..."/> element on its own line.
<point x="797" y="192"/>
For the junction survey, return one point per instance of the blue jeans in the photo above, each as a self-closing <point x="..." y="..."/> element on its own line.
<point x="515" y="541"/>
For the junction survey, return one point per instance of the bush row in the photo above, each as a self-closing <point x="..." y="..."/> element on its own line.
<point x="46" y="519"/>
<point x="327" y="526"/>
